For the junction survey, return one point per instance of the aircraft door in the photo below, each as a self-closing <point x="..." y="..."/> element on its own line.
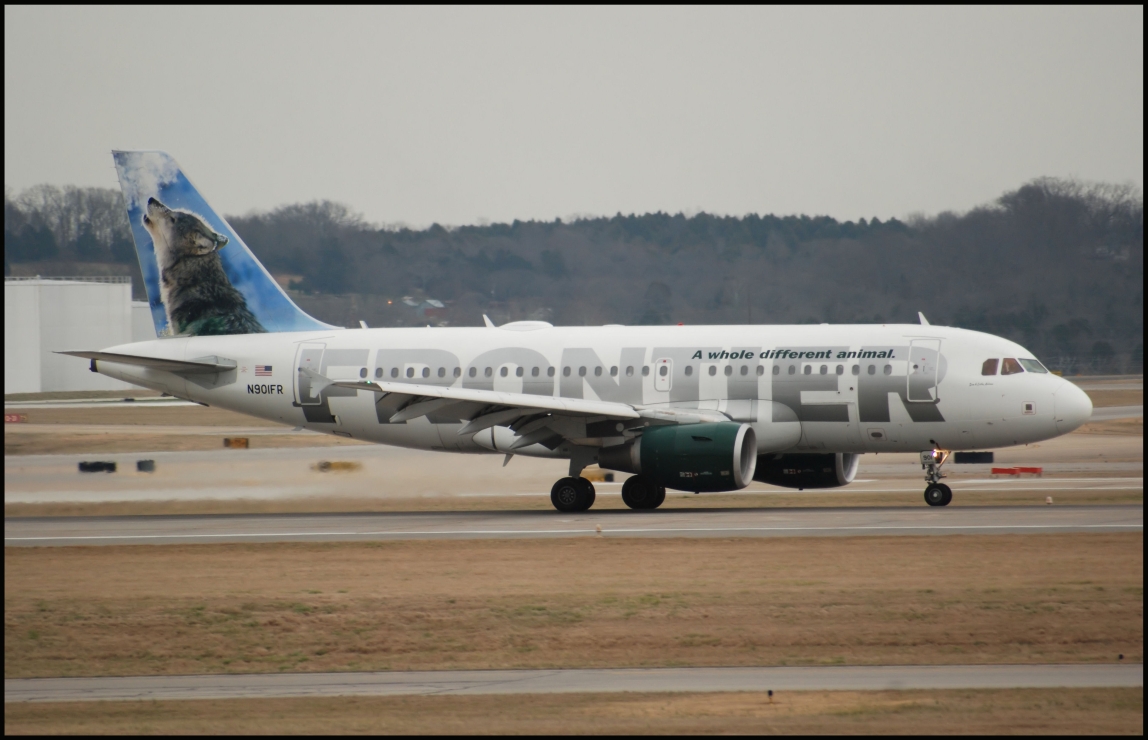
<point x="663" y="374"/>
<point x="309" y="357"/>
<point x="921" y="375"/>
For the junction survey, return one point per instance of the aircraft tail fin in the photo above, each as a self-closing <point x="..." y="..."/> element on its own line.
<point x="201" y="278"/>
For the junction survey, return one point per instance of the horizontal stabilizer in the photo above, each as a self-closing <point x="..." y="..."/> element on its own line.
<point x="201" y="365"/>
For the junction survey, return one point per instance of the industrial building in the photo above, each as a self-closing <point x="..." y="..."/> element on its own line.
<point x="43" y="315"/>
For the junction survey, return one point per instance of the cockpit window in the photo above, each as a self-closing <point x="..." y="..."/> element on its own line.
<point x="990" y="367"/>
<point x="1011" y="367"/>
<point x="1033" y="366"/>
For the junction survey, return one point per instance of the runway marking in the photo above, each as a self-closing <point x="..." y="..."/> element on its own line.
<point x="580" y="531"/>
<point x="542" y="681"/>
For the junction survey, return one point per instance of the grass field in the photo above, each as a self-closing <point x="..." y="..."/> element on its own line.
<point x="1015" y="711"/>
<point x="569" y="603"/>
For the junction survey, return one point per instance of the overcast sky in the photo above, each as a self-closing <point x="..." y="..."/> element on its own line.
<point x="466" y="115"/>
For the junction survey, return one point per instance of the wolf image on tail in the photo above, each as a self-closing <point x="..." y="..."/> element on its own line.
<point x="197" y="295"/>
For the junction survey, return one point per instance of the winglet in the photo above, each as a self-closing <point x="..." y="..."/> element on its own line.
<point x="924" y="321"/>
<point x="489" y="323"/>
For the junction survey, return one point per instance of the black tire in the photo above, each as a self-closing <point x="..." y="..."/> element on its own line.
<point x="641" y="493"/>
<point x="588" y="494"/>
<point x="935" y="495"/>
<point x="948" y="494"/>
<point x="567" y="495"/>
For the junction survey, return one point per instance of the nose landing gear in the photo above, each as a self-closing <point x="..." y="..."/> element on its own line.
<point x="936" y="493"/>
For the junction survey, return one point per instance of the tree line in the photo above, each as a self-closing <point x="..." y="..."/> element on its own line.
<point x="1056" y="265"/>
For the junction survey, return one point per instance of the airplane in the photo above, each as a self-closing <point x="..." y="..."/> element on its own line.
<point x="690" y="408"/>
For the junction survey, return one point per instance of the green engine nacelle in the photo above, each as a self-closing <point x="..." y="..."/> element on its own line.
<point x="689" y="457"/>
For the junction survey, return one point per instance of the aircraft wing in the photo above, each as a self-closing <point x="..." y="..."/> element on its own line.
<point x="532" y="417"/>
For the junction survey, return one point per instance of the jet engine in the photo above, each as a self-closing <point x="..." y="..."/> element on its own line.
<point x="800" y="470"/>
<point x="689" y="457"/>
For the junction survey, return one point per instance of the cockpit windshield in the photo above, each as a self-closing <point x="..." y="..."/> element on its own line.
<point x="1033" y="366"/>
<point x="990" y="367"/>
<point x="1011" y="367"/>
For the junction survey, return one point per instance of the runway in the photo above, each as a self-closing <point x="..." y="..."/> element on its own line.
<point x="737" y="522"/>
<point x="399" y="683"/>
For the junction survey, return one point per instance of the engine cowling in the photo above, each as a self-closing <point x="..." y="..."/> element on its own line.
<point x="800" y="470"/>
<point x="720" y="456"/>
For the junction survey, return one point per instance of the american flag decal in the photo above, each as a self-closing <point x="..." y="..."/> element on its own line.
<point x="262" y="370"/>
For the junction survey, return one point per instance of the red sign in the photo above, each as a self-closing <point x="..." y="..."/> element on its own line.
<point x="15" y="418"/>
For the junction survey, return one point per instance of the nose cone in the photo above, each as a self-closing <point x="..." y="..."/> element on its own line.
<point x="1072" y="407"/>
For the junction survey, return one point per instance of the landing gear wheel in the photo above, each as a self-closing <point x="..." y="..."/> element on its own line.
<point x="572" y="495"/>
<point x="588" y="493"/>
<point x="938" y="494"/>
<point x="639" y="492"/>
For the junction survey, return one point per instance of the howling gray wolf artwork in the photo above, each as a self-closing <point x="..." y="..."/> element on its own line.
<point x="196" y="293"/>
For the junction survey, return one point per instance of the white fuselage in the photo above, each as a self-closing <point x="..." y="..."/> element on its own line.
<point x="807" y="388"/>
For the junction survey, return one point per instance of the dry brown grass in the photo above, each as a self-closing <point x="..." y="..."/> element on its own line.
<point x="133" y="415"/>
<point x="20" y="442"/>
<point x="572" y="602"/>
<point x="1014" y="711"/>
<point x="1122" y="427"/>
<point x="1101" y="399"/>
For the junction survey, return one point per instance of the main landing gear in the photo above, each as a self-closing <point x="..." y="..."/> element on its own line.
<point x="639" y="492"/>
<point x="936" y="493"/>
<point x="572" y="494"/>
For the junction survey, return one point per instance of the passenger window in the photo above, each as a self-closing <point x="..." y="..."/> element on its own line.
<point x="473" y="371"/>
<point x="1011" y="367"/>
<point x="888" y="369"/>
<point x="550" y="372"/>
<point x="645" y="370"/>
<point x="566" y="372"/>
<point x="760" y="370"/>
<point x="824" y="369"/>
<point x="410" y="372"/>
<point x="597" y="372"/>
<point x="856" y="369"/>
<point x="745" y="369"/>
<point x="488" y="372"/>
<point x="458" y="372"/>
<point x="518" y="372"/>
<point x="426" y="372"/>
<point x="713" y="369"/>
<point x="378" y="372"/>
<point x="362" y="372"/>
<point x="840" y="369"/>
<point x="395" y="372"/>
<point x="793" y="369"/>
<point x="689" y="370"/>
<point x="442" y="372"/>
<point x="629" y="371"/>
<point x="728" y="370"/>
<point x="613" y="371"/>
<point x="663" y="371"/>
<point x="989" y="367"/>
<point x="582" y="372"/>
<point x="777" y="369"/>
<point x="808" y="369"/>
<point x="534" y="372"/>
<point x="872" y="369"/>
<point x="1033" y="366"/>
